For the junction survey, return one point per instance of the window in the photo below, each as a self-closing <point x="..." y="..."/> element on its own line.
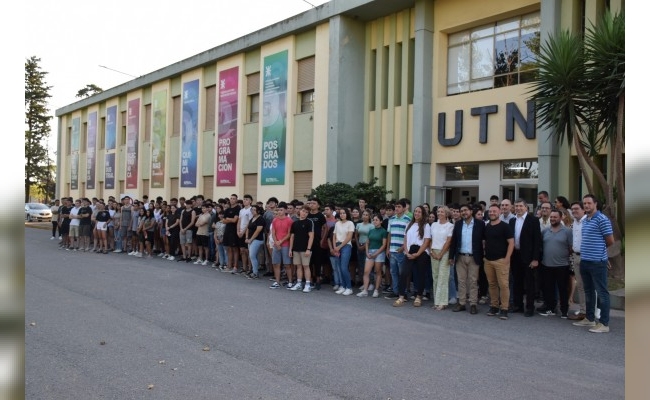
<point x="254" y="115"/>
<point x="306" y="77"/>
<point x="520" y="169"/>
<point x="210" y="107"/>
<point x="462" y="172"/>
<point x="253" y="92"/>
<point x="307" y="101"/>
<point x="495" y="55"/>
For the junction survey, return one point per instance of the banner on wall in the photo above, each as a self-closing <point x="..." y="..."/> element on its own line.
<point x="274" y="128"/>
<point x="109" y="171"/>
<point x="74" y="153"/>
<point x="132" y="134"/>
<point x="91" y="146"/>
<point x="111" y="128"/>
<point x="189" y="133"/>
<point x="159" y="135"/>
<point x="227" y="127"/>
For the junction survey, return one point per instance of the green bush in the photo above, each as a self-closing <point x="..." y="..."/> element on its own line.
<point x="343" y="194"/>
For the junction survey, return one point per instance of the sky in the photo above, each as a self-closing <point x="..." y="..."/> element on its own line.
<point x="74" y="38"/>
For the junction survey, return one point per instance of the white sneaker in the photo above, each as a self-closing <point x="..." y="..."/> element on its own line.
<point x="307" y="289"/>
<point x="453" y="301"/>
<point x="297" y="286"/>
<point x="198" y="261"/>
<point x="171" y="258"/>
<point x="335" y="288"/>
<point x="347" y="292"/>
<point x="363" y="293"/>
<point x="371" y="287"/>
<point x="132" y="253"/>
<point x="52" y="238"/>
<point x="205" y="262"/>
<point x="375" y="294"/>
<point x="117" y="251"/>
<point x="60" y="237"/>
<point x="138" y="254"/>
<point x="340" y="290"/>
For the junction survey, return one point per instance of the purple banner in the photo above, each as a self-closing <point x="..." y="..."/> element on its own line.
<point x="111" y="128"/>
<point x="227" y="127"/>
<point x="91" y="149"/>
<point x="189" y="133"/>
<point x="132" y="133"/>
<point x="109" y="171"/>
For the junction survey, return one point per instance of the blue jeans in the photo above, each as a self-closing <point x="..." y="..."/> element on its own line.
<point x="223" y="257"/>
<point x="117" y="234"/>
<point x="594" y="280"/>
<point x="336" y="270"/>
<point x="396" y="262"/>
<point x="344" y="259"/>
<point x="253" y="248"/>
<point x="453" y="289"/>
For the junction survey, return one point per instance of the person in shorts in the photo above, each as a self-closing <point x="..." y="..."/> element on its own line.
<point x="281" y="231"/>
<point x="102" y="219"/>
<point x="300" y="246"/>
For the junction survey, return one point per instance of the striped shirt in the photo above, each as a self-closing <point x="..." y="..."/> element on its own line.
<point x="594" y="232"/>
<point x="397" y="230"/>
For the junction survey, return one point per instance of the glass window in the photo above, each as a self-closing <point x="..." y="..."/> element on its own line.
<point x="307" y="101"/>
<point x="520" y="169"/>
<point x="255" y="108"/>
<point x="500" y="54"/>
<point x="463" y="172"/>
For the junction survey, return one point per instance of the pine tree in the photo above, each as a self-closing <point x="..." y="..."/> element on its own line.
<point x="37" y="123"/>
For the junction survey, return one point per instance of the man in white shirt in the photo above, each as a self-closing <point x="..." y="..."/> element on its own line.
<point x="245" y="216"/>
<point x="579" y="216"/>
<point x="75" y="220"/>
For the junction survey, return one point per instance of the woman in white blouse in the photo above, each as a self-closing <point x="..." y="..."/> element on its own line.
<point x="417" y="241"/>
<point x="342" y="249"/>
<point x="441" y="232"/>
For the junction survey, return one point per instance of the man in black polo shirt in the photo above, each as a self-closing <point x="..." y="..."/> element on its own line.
<point x="319" y="256"/>
<point x="301" y="244"/>
<point x="499" y="245"/>
<point x="85" y="225"/>
<point x="230" y="238"/>
<point x="64" y="221"/>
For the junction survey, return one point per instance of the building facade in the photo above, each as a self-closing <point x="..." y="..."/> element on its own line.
<point x="429" y="96"/>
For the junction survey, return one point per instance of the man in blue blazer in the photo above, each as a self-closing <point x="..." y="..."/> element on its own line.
<point x="467" y="251"/>
<point x="525" y="258"/>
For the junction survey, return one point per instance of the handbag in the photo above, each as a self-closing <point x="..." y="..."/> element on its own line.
<point x="414" y="249"/>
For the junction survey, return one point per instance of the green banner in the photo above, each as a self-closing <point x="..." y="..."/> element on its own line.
<point x="274" y="117"/>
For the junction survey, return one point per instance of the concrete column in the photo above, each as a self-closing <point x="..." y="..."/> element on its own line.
<point x="345" y="107"/>
<point x="422" y="100"/>
<point x="548" y="151"/>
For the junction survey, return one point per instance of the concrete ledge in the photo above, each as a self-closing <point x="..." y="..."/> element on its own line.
<point x="617" y="299"/>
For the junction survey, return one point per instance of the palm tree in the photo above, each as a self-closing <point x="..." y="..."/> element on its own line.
<point x="580" y="96"/>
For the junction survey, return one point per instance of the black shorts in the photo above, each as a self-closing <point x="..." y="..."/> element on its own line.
<point x="230" y="239"/>
<point x="85" y="230"/>
<point x="242" y="242"/>
<point x="202" y="240"/>
<point x="64" y="229"/>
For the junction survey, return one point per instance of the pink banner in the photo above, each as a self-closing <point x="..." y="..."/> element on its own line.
<point x="132" y="133"/>
<point x="227" y="127"/>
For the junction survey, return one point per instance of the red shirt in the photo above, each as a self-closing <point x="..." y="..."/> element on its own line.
<point x="281" y="228"/>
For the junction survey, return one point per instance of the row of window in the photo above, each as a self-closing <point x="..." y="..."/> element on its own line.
<point x="517" y="169"/>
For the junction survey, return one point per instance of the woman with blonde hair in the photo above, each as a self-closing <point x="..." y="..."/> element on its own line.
<point x="441" y="232"/>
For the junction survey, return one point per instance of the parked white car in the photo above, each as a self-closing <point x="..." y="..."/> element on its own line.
<point x="37" y="212"/>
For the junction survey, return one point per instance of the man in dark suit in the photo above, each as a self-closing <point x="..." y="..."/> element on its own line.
<point x="467" y="251"/>
<point x="525" y="258"/>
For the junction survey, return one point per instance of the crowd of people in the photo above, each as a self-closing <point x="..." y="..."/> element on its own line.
<point x="501" y="254"/>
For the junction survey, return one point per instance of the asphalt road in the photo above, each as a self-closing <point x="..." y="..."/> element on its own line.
<point x="109" y="326"/>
